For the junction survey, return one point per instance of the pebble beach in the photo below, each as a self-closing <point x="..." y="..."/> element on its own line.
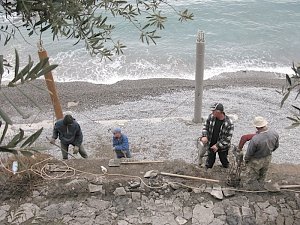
<point x="156" y="114"/>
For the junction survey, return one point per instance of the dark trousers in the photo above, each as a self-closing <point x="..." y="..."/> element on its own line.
<point x="211" y="158"/>
<point x="123" y="154"/>
<point x="65" y="149"/>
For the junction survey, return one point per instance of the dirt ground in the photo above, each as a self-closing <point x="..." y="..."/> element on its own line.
<point x="18" y="186"/>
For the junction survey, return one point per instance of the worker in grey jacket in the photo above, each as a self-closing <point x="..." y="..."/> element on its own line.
<point x="69" y="133"/>
<point x="259" y="153"/>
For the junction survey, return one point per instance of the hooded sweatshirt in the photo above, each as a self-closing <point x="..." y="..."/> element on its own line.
<point x="68" y="134"/>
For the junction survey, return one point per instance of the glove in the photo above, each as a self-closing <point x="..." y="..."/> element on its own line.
<point x="52" y="141"/>
<point x="75" y="150"/>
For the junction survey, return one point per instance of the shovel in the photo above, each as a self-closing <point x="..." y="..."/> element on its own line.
<point x="61" y="148"/>
<point x="118" y="162"/>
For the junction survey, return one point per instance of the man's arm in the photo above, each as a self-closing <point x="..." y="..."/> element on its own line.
<point x="55" y="132"/>
<point x="277" y="143"/>
<point x="78" y="136"/>
<point x="244" y="139"/>
<point x="114" y="142"/>
<point x="205" y="128"/>
<point x="250" y="150"/>
<point x="226" y="139"/>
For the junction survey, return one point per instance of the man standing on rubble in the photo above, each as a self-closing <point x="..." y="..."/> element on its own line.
<point x="69" y="133"/>
<point x="120" y="144"/>
<point x="259" y="153"/>
<point x="217" y="133"/>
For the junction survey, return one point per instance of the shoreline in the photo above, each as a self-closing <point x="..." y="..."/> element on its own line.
<point x="94" y="95"/>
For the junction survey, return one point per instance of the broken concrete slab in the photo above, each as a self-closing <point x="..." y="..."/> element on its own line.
<point x="151" y="174"/>
<point x="93" y="188"/>
<point x="202" y="215"/>
<point x="208" y="189"/>
<point x="216" y="192"/>
<point x="120" y="191"/>
<point x="180" y="220"/>
<point x="228" y="192"/>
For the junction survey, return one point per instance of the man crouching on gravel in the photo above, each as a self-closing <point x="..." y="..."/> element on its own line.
<point x="69" y="133"/>
<point x="120" y="144"/>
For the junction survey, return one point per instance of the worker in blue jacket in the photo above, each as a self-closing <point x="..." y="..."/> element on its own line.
<point x="120" y="144"/>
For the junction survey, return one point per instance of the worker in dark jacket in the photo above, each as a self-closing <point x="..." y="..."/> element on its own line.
<point x="259" y="153"/>
<point x="69" y="133"/>
<point x="217" y="133"/>
<point x="120" y="144"/>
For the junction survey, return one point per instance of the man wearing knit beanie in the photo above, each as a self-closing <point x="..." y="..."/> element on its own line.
<point x="69" y="133"/>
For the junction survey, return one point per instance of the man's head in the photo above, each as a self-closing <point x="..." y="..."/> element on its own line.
<point x="68" y="120"/>
<point x="260" y="122"/>
<point x="217" y="110"/>
<point x="117" y="132"/>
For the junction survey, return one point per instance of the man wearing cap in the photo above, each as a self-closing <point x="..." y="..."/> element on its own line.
<point x="259" y="153"/>
<point x="120" y="144"/>
<point x="217" y="133"/>
<point x="69" y="133"/>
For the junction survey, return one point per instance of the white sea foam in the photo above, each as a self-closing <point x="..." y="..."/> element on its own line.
<point x="79" y="66"/>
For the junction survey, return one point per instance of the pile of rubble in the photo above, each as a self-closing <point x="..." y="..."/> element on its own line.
<point x="84" y="202"/>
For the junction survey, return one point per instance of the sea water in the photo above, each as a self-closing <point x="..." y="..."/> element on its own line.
<point x="260" y="35"/>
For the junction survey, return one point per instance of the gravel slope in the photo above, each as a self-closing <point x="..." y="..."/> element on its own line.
<point x="149" y="112"/>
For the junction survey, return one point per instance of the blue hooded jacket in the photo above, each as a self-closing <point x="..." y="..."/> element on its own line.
<point x="121" y="144"/>
<point x="68" y="134"/>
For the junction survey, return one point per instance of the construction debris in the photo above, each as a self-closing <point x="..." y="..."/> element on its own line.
<point x="118" y="162"/>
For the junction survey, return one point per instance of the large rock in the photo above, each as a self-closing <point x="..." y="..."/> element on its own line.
<point x="98" y="203"/>
<point x="4" y="211"/>
<point x="72" y="188"/>
<point x="122" y="222"/>
<point x="272" y="212"/>
<point x="3" y="214"/>
<point x="94" y="188"/>
<point x="136" y="196"/>
<point x="24" y="212"/>
<point x="166" y="218"/>
<point x="180" y="220"/>
<point x="217" y="192"/>
<point x="178" y="205"/>
<point x="263" y="205"/>
<point x="246" y="211"/>
<point x="227" y="192"/>
<point x="120" y="191"/>
<point x="233" y="215"/>
<point x="187" y="213"/>
<point x="217" y="221"/>
<point x="208" y="189"/>
<point x="289" y="221"/>
<point x="151" y="174"/>
<point x="280" y="220"/>
<point x="202" y="215"/>
<point x="218" y="210"/>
